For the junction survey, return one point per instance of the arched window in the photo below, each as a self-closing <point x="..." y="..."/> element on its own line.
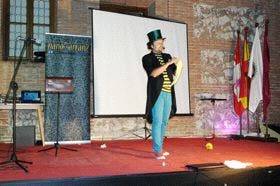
<point x="26" y="19"/>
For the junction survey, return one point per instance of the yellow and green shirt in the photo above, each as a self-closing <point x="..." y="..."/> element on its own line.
<point x="166" y="81"/>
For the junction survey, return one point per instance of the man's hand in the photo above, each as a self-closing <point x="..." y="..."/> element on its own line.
<point x="174" y="60"/>
<point x="156" y="72"/>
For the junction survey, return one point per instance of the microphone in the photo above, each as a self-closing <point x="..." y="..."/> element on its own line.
<point x="29" y="40"/>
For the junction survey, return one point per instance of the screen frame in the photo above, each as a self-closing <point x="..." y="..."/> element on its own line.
<point x="92" y="68"/>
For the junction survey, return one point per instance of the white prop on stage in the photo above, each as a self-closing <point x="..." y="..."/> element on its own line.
<point x="178" y="72"/>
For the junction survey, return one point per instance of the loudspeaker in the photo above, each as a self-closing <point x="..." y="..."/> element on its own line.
<point x="25" y="136"/>
<point x="204" y="166"/>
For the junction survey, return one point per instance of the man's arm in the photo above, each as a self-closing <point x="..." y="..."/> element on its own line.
<point x="156" y="72"/>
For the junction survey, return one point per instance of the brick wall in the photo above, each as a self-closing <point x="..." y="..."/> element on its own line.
<point x="136" y="3"/>
<point x="73" y="17"/>
<point x="1" y="18"/>
<point x="211" y="26"/>
<point x="212" y="35"/>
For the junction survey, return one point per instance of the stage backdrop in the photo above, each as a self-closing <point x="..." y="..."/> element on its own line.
<point x="68" y="56"/>
<point x="120" y="80"/>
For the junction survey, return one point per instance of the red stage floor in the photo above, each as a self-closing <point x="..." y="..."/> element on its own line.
<point x="133" y="157"/>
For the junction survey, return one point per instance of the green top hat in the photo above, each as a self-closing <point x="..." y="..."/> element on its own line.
<point x="154" y="35"/>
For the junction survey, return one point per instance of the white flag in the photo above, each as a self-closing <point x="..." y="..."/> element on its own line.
<point x="255" y="72"/>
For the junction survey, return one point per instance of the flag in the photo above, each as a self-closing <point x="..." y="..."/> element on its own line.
<point x="266" y="61"/>
<point x="238" y="108"/>
<point x="244" y="80"/>
<point x="255" y="72"/>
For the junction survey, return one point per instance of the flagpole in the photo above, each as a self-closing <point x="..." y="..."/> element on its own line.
<point x="258" y="120"/>
<point x="240" y="125"/>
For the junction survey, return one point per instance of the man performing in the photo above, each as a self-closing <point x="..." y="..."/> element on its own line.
<point x="161" y="103"/>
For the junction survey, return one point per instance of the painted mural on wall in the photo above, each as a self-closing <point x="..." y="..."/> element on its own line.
<point x="118" y="128"/>
<point x="221" y="23"/>
<point x="219" y="118"/>
<point x="211" y="60"/>
<point x="23" y="118"/>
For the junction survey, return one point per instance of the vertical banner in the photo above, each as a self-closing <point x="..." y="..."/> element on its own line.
<point x="68" y="56"/>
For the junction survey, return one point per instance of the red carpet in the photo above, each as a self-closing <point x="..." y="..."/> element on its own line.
<point x="133" y="157"/>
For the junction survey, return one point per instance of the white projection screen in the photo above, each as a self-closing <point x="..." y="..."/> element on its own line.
<point x="119" y="79"/>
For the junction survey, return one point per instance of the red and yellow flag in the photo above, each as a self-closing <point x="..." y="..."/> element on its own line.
<point x="238" y="108"/>
<point x="244" y="79"/>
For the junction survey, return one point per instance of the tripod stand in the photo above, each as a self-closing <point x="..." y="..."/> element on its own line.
<point x="58" y="85"/>
<point x="147" y="132"/>
<point x="13" y="157"/>
<point x="14" y="86"/>
<point x="213" y="100"/>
